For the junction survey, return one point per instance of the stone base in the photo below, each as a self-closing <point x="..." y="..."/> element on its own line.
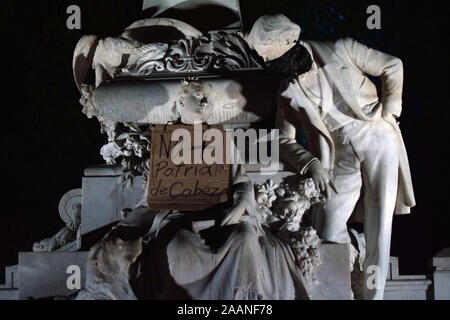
<point x="44" y="275"/>
<point x="405" y="287"/>
<point x="441" y="276"/>
<point x="407" y="290"/>
<point x="11" y="294"/>
<point x="9" y="290"/>
<point x="333" y="273"/>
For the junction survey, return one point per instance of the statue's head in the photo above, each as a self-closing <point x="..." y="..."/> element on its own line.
<point x="276" y="39"/>
<point x="196" y="101"/>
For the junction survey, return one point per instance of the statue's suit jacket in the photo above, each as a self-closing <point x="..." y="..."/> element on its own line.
<point x="304" y="102"/>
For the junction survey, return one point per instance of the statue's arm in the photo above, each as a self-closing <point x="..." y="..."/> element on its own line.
<point x="379" y="64"/>
<point x="291" y="151"/>
<point x="243" y="196"/>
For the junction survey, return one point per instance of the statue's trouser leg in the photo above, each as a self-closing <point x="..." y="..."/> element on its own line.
<point x="380" y="176"/>
<point x="367" y="162"/>
<point x="331" y="217"/>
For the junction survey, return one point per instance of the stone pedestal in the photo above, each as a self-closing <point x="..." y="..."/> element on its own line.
<point x="44" y="275"/>
<point x="103" y="199"/>
<point x="441" y="275"/>
<point x="406" y="287"/>
<point x="9" y="290"/>
<point x="333" y="273"/>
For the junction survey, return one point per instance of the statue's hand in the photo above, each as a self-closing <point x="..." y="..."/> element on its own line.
<point x="244" y="202"/>
<point x="321" y="179"/>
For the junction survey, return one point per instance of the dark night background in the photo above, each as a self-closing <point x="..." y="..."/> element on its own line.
<point x="47" y="142"/>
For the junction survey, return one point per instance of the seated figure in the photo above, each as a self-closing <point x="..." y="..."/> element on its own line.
<point x="238" y="258"/>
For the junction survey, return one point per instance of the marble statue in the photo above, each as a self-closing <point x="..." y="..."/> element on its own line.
<point x="356" y="154"/>
<point x="196" y="102"/>
<point x="257" y="249"/>
<point x="281" y="238"/>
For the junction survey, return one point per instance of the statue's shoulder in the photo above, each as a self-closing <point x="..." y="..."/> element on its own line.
<point x="329" y="44"/>
<point x="331" y="50"/>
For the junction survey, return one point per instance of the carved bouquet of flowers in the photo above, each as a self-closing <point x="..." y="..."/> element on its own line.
<point x="284" y="210"/>
<point x="129" y="146"/>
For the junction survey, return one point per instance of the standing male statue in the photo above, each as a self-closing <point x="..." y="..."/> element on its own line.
<point x="355" y="147"/>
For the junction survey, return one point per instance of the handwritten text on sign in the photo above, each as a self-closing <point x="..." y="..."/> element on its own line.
<point x="185" y="187"/>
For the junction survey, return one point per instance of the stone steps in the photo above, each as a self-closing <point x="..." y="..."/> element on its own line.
<point x="10" y="290"/>
<point x="406" y="287"/>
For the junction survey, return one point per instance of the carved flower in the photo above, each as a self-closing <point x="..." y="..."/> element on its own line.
<point x="291" y="213"/>
<point x="266" y="194"/>
<point x="110" y="153"/>
<point x="308" y="189"/>
<point x="87" y="101"/>
<point x="305" y="245"/>
<point x="287" y="205"/>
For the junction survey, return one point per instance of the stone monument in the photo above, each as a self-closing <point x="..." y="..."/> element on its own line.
<point x="177" y="68"/>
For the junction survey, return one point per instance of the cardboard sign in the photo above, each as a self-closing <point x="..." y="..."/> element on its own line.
<point x="185" y="187"/>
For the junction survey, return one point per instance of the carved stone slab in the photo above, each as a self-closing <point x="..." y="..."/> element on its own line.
<point x="237" y="100"/>
<point x="103" y="201"/>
